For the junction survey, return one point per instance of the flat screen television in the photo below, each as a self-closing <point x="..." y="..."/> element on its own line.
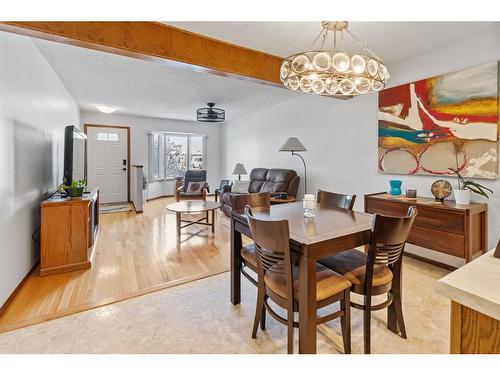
<point x="75" y="155"/>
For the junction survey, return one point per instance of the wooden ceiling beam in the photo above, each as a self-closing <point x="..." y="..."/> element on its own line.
<point x="155" y="41"/>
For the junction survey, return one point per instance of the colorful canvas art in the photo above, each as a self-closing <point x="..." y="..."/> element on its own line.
<point x="448" y="121"/>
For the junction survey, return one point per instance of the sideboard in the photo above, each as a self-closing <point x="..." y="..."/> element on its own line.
<point x="68" y="231"/>
<point x="446" y="227"/>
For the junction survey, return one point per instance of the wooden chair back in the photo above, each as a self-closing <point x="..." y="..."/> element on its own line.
<point x="239" y="201"/>
<point x="272" y="245"/>
<point x="389" y="235"/>
<point x="336" y="200"/>
<point x="387" y="242"/>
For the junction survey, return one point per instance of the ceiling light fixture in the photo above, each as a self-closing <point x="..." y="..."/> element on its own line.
<point x="105" y="108"/>
<point x="334" y="72"/>
<point x="210" y="114"/>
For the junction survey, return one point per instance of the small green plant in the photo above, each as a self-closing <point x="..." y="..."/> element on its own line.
<point x="471" y="185"/>
<point x="76" y="184"/>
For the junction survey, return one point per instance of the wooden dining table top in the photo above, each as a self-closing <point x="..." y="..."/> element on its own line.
<point x="329" y="222"/>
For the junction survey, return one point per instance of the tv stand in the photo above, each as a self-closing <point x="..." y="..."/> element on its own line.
<point x="68" y="230"/>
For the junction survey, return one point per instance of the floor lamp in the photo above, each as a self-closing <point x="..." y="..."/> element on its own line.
<point x="293" y="145"/>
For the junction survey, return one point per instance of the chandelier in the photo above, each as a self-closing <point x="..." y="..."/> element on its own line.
<point x="334" y="72"/>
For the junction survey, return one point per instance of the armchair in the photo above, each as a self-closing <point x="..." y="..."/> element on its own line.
<point x="193" y="176"/>
<point x="219" y="191"/>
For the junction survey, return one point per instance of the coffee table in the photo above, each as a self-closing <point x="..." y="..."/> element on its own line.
<point x="276" y="200"/>
<point x="193" y="207"/>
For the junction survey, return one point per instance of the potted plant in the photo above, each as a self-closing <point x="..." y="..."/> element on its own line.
<point x="75" y="190"/>
<point x="464" y="188"/>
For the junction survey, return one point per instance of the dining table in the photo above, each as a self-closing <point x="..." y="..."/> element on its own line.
<point x="331" y="231"/>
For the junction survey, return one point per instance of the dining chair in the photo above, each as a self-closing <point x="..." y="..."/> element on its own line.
<point x="335" y="199"/>
<point x="278" y="280"/>
<point x="248" y="254"/>
<point x="378" y="271"/>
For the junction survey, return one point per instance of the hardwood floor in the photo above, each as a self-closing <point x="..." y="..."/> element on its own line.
<point x="135" y="254"/>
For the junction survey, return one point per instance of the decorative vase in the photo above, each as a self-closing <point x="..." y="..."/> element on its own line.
<point x="395" y="187"/>
<point x="75" y="192"/>
<point x="462" y="196"/>
<point x="411" y="193"/>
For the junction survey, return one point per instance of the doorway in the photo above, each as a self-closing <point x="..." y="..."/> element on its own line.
<point x="108" y="156"/>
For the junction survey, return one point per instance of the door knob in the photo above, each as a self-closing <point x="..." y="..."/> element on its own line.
<point x="124" y="169"/>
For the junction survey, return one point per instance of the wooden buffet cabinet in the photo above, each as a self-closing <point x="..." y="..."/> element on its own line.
<point x="68" y="230"/>
<point x="458" y="230"/>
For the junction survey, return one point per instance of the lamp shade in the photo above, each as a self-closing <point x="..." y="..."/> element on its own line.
<point x="239" y="168"/>
<point x="293" y="144"/>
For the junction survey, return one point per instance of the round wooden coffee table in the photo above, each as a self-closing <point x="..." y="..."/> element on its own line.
<point x="193" y="207"/>
<point x="276" y="200"/>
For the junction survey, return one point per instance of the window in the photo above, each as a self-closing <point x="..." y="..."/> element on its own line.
<point x="176" y="155"/>
<point x="172" y="154"/>
<point x="196" y="152"/>
<point x="107" y="137"/>
<point x="157" y="163"/>
<point x="101" y="136"/>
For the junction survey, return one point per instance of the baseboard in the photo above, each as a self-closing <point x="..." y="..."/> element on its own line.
<point x="434" y="257"/>
<point x="135" y="209"/>
<point x="4" y="307"/>
<point x="66" y="268"/>
<point x="159" y="197"/>
<point x="171" y="196"/>
<point x="430" y="261"/>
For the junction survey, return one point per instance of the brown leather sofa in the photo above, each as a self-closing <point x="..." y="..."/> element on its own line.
<point x="264" y="180"/>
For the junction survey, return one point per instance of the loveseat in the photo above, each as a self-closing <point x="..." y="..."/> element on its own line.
<point x="265" y="180"/>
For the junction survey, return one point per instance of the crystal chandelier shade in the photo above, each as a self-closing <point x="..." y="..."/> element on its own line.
<point x="333" y="72"/>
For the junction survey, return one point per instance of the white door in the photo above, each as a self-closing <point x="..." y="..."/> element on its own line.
<point x="108" y="163"/>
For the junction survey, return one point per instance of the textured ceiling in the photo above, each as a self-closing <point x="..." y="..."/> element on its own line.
<point x="156" y="90"/>
<point x="392" y="41"/>
<point x="152" y="89"/>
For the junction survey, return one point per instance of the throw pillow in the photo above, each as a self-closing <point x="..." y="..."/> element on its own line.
<point x="240" y="187"/>
<point x="195" y="187"/>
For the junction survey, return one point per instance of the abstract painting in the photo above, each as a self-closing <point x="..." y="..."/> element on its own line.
<point x="448" y="121"/>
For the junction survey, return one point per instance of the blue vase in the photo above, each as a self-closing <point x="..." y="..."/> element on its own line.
<point x="395" y="187"/>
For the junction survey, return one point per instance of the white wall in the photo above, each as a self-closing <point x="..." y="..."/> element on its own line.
<point x="34" y="109"/>
<point x="141" y="126"/>
<point x="341" y="136"/>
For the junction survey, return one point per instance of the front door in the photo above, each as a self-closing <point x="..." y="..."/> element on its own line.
<point x="107" y="165"/>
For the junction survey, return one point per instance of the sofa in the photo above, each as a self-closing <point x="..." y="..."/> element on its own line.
<point x="264" y="180"/>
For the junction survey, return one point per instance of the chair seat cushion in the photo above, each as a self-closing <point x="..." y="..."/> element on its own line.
<point x="352" y="265"/>
<point x="328" y="283"/>
<point x="249" y="256"/>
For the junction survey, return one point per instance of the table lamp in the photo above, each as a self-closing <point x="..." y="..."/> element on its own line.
<point x="239" y="169"/>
